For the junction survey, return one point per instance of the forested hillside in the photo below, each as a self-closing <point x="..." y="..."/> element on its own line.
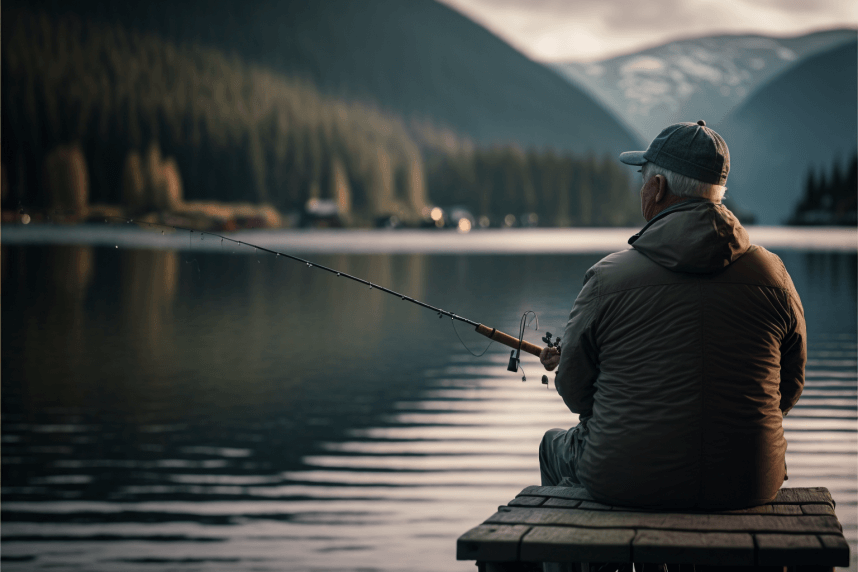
<point x="415" y="58"/>
<point x="116" y="104"/>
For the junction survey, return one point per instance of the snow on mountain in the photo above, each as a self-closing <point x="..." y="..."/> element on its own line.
<point x="687" y="80"/>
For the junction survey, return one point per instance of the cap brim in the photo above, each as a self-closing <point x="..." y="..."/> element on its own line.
<point x="633" y="157"/>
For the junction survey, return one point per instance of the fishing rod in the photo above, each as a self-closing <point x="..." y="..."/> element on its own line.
<point x="517" y="344"/>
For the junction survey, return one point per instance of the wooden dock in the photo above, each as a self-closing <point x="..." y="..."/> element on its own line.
<point x="565" y="524"/>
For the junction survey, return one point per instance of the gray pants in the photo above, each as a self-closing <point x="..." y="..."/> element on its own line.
<point x="559" y="454"/>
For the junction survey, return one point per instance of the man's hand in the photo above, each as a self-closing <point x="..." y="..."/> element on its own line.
<point x="549" y="357"/>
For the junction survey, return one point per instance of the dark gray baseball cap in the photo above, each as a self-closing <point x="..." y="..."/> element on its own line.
<point x="690" y="149"/>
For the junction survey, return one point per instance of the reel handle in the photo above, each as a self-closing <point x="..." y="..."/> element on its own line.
<point x="508" y="340"/>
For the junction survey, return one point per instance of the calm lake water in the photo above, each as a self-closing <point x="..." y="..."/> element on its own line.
<point x="222" y="409"/>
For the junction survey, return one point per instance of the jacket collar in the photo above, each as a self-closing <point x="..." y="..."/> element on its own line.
<point x="684" y="205"/>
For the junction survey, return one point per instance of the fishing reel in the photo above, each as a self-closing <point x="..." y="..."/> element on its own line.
<point x="514" y="356"/>
<point x="555" y="343"/>
<point x="551" y="344"/>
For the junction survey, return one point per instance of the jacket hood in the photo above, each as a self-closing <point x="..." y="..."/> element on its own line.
<point x="693" y="236"/>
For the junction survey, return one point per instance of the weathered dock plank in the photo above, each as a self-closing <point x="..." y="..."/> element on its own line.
<point x="591" y="505"/>
<point x="565" y="524"/>
<point x="837" y="547"/>
<point x="575" y="493"/>
<point x="816" y="509"/>
<point x="564" y="544"/>
<point x="714" y="548"/>
<point x="699" y="522"/>
<point x="495" y="543"/>
<point x="813" y="495"/>
<point x="798" y="549"/>
<point x="563" y="503"/>
<point x="528" y="501"/>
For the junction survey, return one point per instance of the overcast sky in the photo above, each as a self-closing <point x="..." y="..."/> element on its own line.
<point x="582" y="30"/>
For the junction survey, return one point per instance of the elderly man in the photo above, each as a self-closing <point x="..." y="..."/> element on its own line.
<point x="683" y="353"/>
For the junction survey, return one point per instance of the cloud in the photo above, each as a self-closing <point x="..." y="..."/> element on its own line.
<point x="798" y="7"/>
<point x="557" y="30"/>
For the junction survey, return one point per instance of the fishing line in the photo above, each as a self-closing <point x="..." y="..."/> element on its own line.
<point x="522" y="325"/>
<point x="440" y="311"/>
<point x="481" y="354"/>
<point x="515" y="355"/>
<point x="491" y="333"/>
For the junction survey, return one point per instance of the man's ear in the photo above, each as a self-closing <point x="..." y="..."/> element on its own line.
<point x="661" y="190"/>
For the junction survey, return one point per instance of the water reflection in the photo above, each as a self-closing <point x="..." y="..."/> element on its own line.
<point x="836" y="271"/>
<point x="148" y="281"/>
<point x="230" y="411"/>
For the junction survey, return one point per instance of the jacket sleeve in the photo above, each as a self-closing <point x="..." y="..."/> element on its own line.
<point x="578" y="369"/>
<point x="793" y="352"/>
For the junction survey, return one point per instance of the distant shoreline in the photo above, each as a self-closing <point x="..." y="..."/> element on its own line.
<point x="343" y="241"/>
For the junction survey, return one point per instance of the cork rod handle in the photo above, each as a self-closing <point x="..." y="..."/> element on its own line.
<point x="508" y="340"/>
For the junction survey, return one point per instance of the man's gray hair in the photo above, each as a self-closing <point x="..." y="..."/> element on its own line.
<point x="683" y="186"/>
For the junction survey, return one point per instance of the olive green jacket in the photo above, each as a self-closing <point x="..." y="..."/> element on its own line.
<point x="682" y="354"/>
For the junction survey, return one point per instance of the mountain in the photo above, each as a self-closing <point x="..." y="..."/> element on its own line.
<point x="805" y="118"/>
<point x="419" y="59"/>
<point x="687" y="80"/>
